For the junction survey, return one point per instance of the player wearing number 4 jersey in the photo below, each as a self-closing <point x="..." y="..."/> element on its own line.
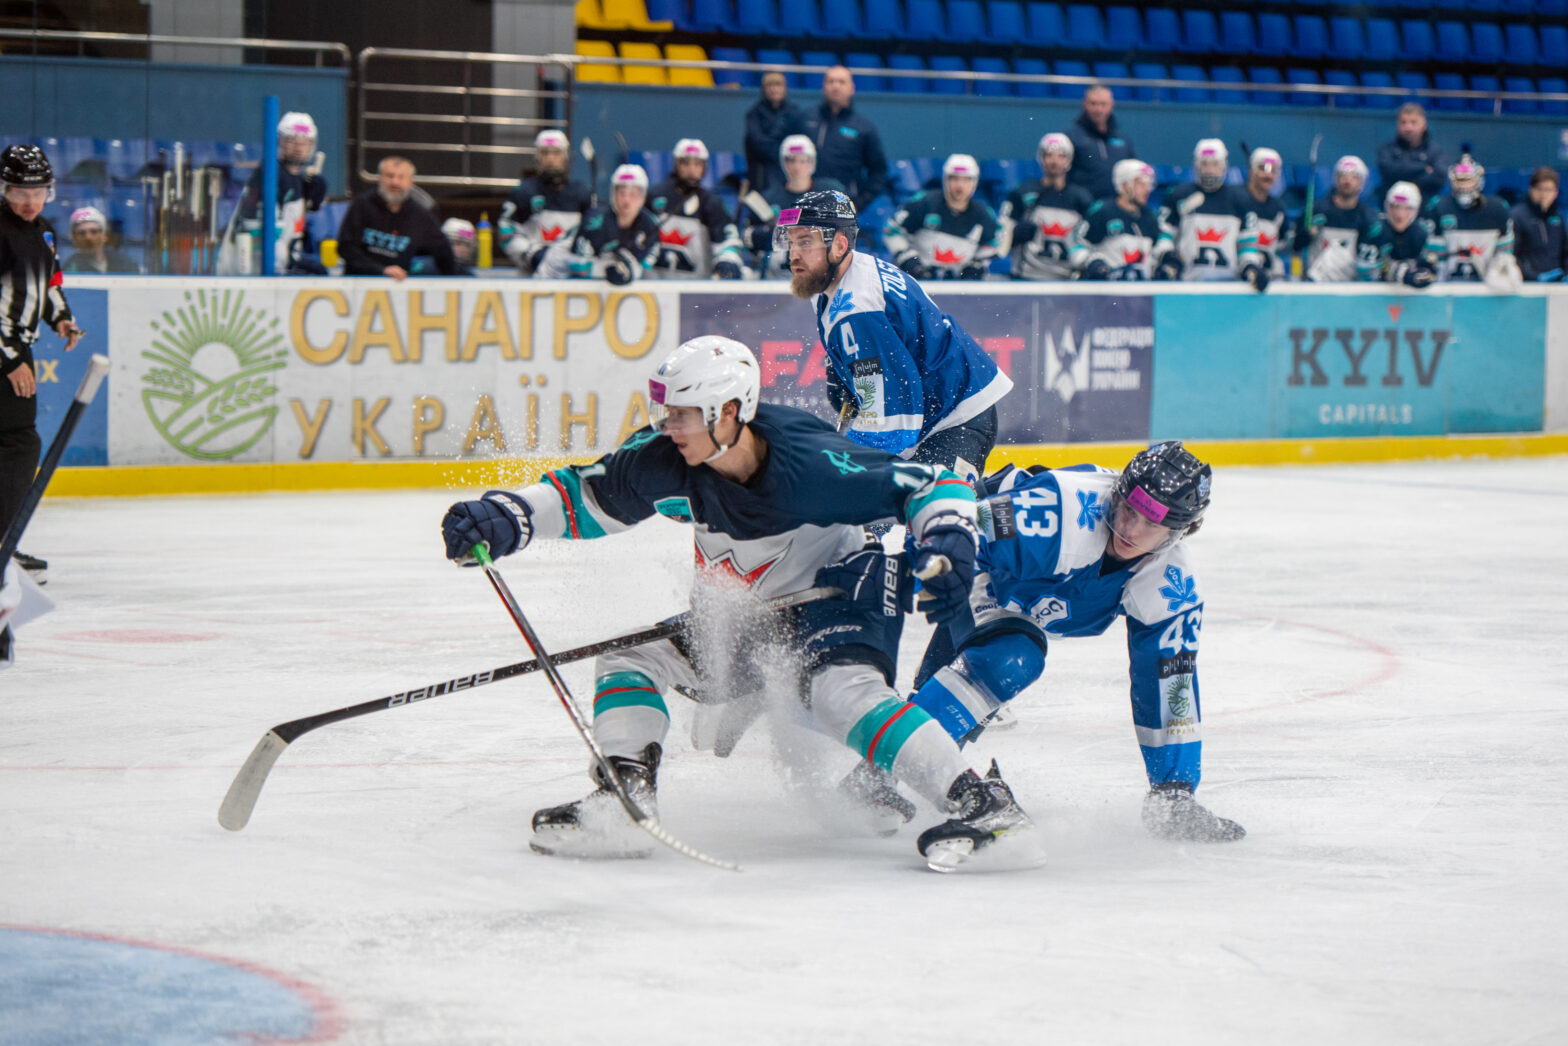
<point x="1065" y="552"/>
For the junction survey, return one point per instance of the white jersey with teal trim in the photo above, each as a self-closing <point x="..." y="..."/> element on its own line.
<point x="911" y="369"/>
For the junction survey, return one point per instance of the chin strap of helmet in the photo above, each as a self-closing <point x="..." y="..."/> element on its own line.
<point x="722" y="447"/>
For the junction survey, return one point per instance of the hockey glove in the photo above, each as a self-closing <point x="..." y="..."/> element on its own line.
<point x="727" y="270"/>
<point x="972" y="272"/>
<point x="1256" y="275"/>
<point x="1170" y="812"/>
<point x="618" y="270"/>
<point x="1549" y="276"/>
<point x="501" y="520"/>
<point x="910" y="262"/>
<point x="945" y="597"/>
<point x="1418" y="278"/>
<point x="1170" y="267"/>
<point x="1097" y="269"/>
<point x="536" y="259"/>
<point x="872" y="581"/>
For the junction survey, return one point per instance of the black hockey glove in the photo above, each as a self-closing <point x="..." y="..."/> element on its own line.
<point x="1257" y="275"/>
<point x="1170" y="267"/>
<point x="872" y="580"/>
<point x="910" y="262"/>
<point x="1170" y="812"/>
<point x="727" y="270"/>
<point x="537" y="258"/>
<point x="618" y="269"/>
<point x="501" y="520"/>
<point x="1097" y="269"/>
<point x="945" y="597"/>
<point x="972" y="272"/>
<point x="1419" y="278"/>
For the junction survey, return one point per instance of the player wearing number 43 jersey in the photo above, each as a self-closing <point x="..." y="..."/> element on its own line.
<point x="1065" y="552"/>
<point x="777" y="501"/>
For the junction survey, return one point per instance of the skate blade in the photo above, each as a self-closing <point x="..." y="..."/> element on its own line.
<point x="577" y="845"/>
<point x="1012" y="851"/>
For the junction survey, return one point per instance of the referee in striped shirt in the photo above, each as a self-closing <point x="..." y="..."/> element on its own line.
<point x="31" y="295"/>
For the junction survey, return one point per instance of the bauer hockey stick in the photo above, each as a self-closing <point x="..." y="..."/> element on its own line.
<point x="646" y="822"/>
<point x="97" y="367"/>
<point x="240" y="801"/>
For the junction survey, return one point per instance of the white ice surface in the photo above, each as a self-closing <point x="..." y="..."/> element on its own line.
<point x="1383" y="668"/>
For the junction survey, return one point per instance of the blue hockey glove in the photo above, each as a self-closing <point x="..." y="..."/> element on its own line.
<point x="873" y="581"/>
<point x="1097" y="269"/>
<point x="945" y="596"/>
<point x="1549" y="276"/>
<point x="1257" y="275"/>
<point x="501" y="520"/>
<point x="727" y="270"/>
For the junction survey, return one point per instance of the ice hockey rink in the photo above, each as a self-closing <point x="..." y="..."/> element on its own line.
<point x="1382" y="675"/>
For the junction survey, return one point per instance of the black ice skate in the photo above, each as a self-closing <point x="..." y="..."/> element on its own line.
<point x="36" y="568"/>
<point x="598" y="826"/>
<point x="872" y="791"/>
<point x="1170" y="812"/>
<point x="989" y="822"/>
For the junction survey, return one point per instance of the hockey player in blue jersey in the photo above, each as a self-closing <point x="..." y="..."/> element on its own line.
<point x="1395" y="249"/>
<point x="1470" y="233"/>
<point x="778" y="502"/>
<point x="1115" y="240"/>
<point x="1065" y="552"/>
<point x="1039" y="217"/>
<point x="949" y="235"/>
<point x="916" y="383"/>
<point x="1338" y="226"/>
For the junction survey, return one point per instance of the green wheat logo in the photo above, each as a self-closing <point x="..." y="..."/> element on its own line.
<point x="209" y="393"/>
<point x="1176" y="696"/>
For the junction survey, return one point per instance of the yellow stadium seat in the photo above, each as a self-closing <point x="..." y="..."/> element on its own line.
<point x="643" y="74"/>
<point x="688" y="77"/>
<point x="631" y="14"/>
<point x="593" y="72"/>
<point x="589" y="16"/>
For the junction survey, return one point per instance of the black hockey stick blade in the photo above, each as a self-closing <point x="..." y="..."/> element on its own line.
<point x="97" y="369"/>
<point x="240" y="800"/>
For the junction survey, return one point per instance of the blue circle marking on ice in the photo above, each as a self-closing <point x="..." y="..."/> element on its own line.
<point x="63" y="988"/>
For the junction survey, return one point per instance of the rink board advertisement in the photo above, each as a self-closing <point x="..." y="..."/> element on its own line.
<point x="59" y="373"/>
<point x="1080" y="364"/>
<point x="344" y="370"/>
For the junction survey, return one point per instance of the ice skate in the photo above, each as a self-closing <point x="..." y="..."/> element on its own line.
<point x="1172" y="813"/>
<point x="991" y="831"/>
<point x="598" y="826"/>
<point x="872" y="794"/>
<point x="37" y="569"/>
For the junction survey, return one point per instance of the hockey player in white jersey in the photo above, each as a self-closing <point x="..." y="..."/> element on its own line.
<point x="1038" y="218"/>
<point x="1200" y="221"/>
<point x="1395" y="249"/>
<point x="1471" y="234"/>
<point x="1260" y="251"/>
<point x="1115" y="240"/>
<point x="777" y="502"/>
<point x="697" y="236"/>
<point x="910" y="380"/>
<point x="946" y="236"/>
<point x="1063" y="553"/>
<point x="617" y="243"/>
<point x="1338" y="226"/>
<point x="464" y="239"/>
<point x="546" y="209"/>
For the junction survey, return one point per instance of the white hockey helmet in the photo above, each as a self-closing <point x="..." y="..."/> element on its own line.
<point x="1128" y="171"/>
<point x="1405" y="194"/>
<point x="1056" y="142"/>
<point x="458" y="229"/>
<point x="797" y="145"/>
<point x="89" y="216"/>
<point x="550" y="138"/>
<point x="1210" y="160"/>
<point x="297" y="125"/>
<point x="961" y="165"/>
<point x="629" y="174"/>
<point x="706" y="372"/>
<point x="691" y="148"/>
<point x="1263" y="156"/>
<point x="1351" y="165"/>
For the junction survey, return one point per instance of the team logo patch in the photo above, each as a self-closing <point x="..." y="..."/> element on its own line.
<point x="676" y="508"/>
<point x="1090" y="510"/>
<point x="1002" y="524"/>
<point x="842" y="461"/>
<point x="537" y="203"/>
<point x="646" y="436"/>
<point x="1179" y="589"/>
<point x="49" y="239"/>
<point x="1178" y="696"/>
<point x="842" y="302"/>
<point x="932" y="221"/>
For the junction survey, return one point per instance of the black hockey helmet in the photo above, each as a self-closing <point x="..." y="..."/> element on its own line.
<point x="826" y="209"/>
<point x="1167" y="485"/>
<point x="25" y="166"/>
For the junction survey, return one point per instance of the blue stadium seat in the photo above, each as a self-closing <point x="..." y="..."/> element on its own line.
<point x="1551" y="8"/>
<point x="1084" y="28"/>
<point x="1481" y="5"/>
<point x="800" y="18"/>
<point x="884" y="19"/>
<point x="739" y="77"/>
<point x="1123" y="29"/>
<point x="1519" y="7"/>
<point x="1311" y="37"/>
<point x="1004" y="22"/>
<point x="965" y="20"/>
<point x="1225" y="74"/>
<point x="842" y="18"/>
<point x="1450" y="82"/>
<point x="866" y="60"/>
<point x="1199" y="34"/>
<point x="1453" y="42"/>
<point x="1527" y="106"/>
<point x="1374" y="78"/>
<point x="1047" y="27"/>
<point x="1553" y="85"/>
<point x="949" y="64"/>
<point x="1382" y="39"/>
<point x="992" y="88"/>
<point x="669" y="11"/>
<point x="902" y="181"/>
<point x="1346" y="41"/>
<point x="757" y="17"/>
<point x="1191" y="94"/>
<point x="1413" y="82"/>
<point x="727" y="167"/>
<point x="1071" y="67"/>
<point x="925" y="20"/>
<point x="1273" y="34"/>
<point x="823" y="58"/>
<point x="1112" y="71"/>
<point x="1554" y="45"/>
<point x="1521" y="45"/>
<point x="777" y="57"/>
<point x="1032" y="67"/>
<point x="1265" y="76"/>
<point x="929" y="170"/>
<point x="1341" y="78"/>
<point x="1486" y="42"/>
<point x="1305" y="76"/>
<point x="1150" y="71"/>
<point x="1484" y="82"/>
<point x="1161" y="30"/>
<point x="1418" y="43"/>
<point x="712" y="16"/>
<point x="906" y="84"/>
<point x="1237" y="35"/>
<point x="657" y="163"/>
<point x="1003" y="175"/>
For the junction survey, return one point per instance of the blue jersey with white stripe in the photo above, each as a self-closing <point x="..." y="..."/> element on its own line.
<point x="911" y="369"/>
<point x="1043" y="542"/>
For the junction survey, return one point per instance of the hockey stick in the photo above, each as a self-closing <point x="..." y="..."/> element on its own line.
<point x="586" y="148"/>
<point x="97" y="367"/>
<point x="647" y="822"/>
<point x="240" y="801"/>
<point x="1312" y="186"/>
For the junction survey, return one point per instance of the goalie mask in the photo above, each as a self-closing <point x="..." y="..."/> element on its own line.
<point x="706" y="372"/>
<point x="1159" y="498"/>
<point x="1465" y="179"/>
<point x="1209" y="161"/>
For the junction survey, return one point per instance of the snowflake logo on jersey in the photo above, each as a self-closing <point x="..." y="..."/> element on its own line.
<point x="842" y="462"/>
<point x="842" y="302"/>
<point x="1090" y="511"/>
<point x="1179" y="590"/>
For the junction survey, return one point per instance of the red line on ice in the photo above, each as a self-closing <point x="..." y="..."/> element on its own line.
<point x="1385" y="671"/>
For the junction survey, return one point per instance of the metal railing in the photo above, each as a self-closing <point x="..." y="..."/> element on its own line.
<point x="320" y="47"/>
<point x="546" y="104"/>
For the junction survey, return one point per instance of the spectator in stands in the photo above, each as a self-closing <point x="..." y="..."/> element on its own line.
<point x="617" y="243"/>
<point x="1539" y="243"/>
<point x="768" y="123"/>
<point x="384" y="229"/>
<point x="759" y="212"/>
<point x="697" y="237"/>
<point x="949" y="236"/>
<point x="1395" y="247"/>
<point x="1265" y="230"/>
<point x="89" y="235"/>
<point x="1411" y="156"/>
<point x="1038" y="218"/>
<point x="1470" y="233"/>
<point x="301" y="191"/>
<point x="849" y="149"/>
<point x="1331" y="234"/>
<point x="1115" y="240"/>
<point x="546" y="208"/>
<point x="1097" y="143"/>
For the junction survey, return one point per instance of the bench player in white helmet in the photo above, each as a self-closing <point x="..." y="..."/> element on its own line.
<point x="546" y="208"/>
<point x="618" y="243"/>
<point x="697" y="237"/>
<point x="1115" y="240"/>
<point x="1038" y="218"/>
<point x="1338" y="226"/>
<point x="951" y="235"/>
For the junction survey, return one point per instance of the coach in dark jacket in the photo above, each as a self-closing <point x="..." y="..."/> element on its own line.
<point x="384" y="229"/>
<point x="1412" y="157"/>
<point x="849" y="149"/>
<point x="768" y="123"/>
<point x="1097" y="143"/>
<point x="1539" y="244"/>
